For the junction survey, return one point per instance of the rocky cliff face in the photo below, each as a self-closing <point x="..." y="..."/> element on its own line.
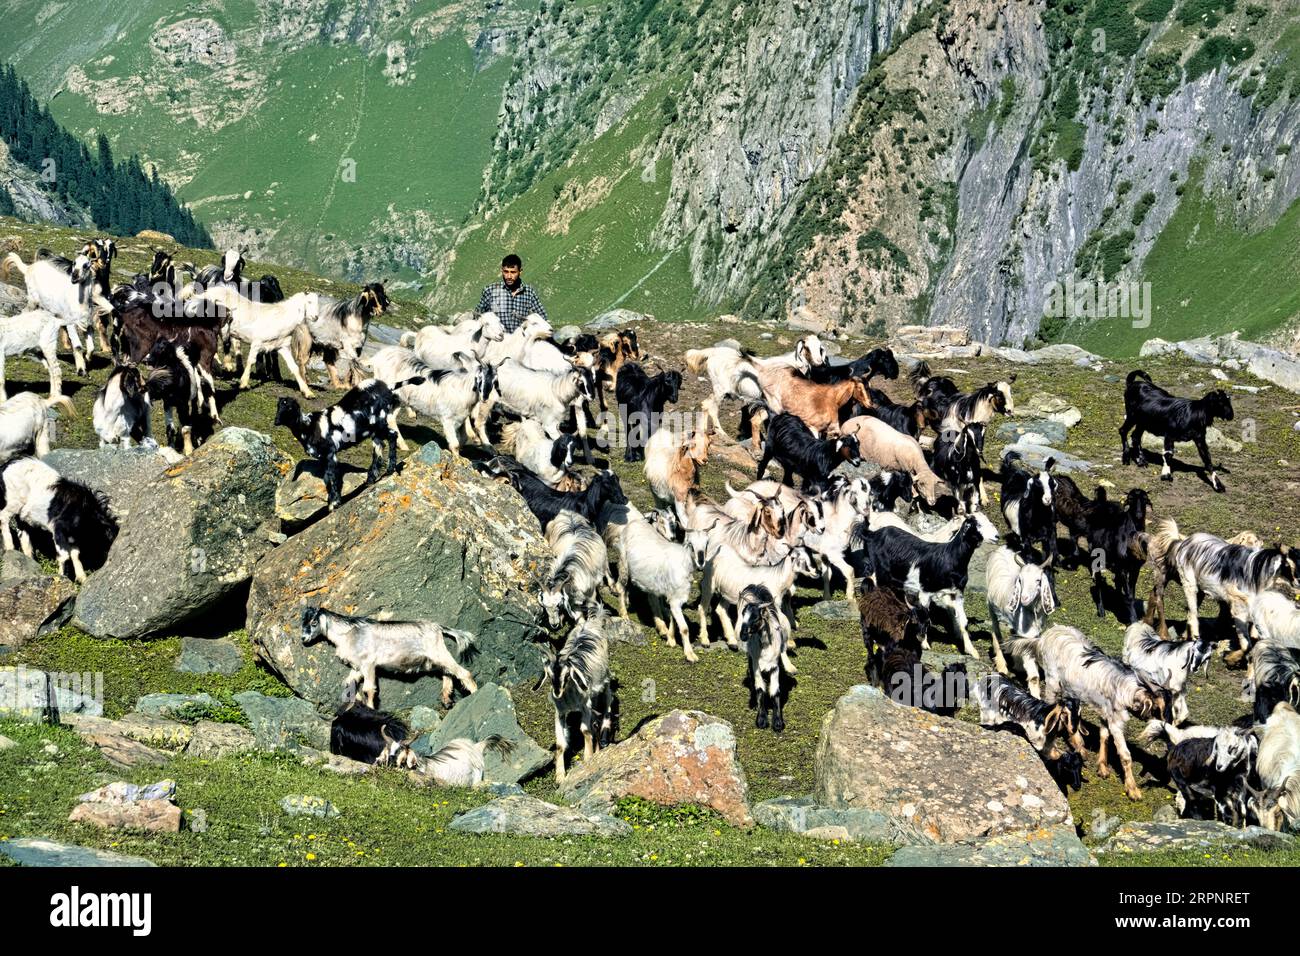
<point x="30" y="200"/>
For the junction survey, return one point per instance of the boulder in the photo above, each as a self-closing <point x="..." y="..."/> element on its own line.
<point x="123" y="752"/>
<point x="128" y="806"/>
<point x="527" y="816"/>
<point x="1066" y="353"/>
<point x="283" y="723"/>
<point x="212" y="739"/>
<point x="1053" y="408"/>
<point x="803" y="815"/>
<point x="840" y="610"/>
<point x="952" y="780"/>
<point x="1036" y="454"/>
<point x="683" y="757"/>
<point x="209" y="656"/>
<point x="929" y="338"/>
<point x="304" y="805"/>
<point x="1156" y="347"/>
<point x="440" y="544"/>
<point x="24" y="694"/>
<point x="301" y="496"/>
<point x="32" y="607"/>
<point x="38" y="851"/>
<point x="194" y="538"/>
<point x="1048" y="846"/>
<point x="122" y="474"/>
<point x="1035" y="431"/>
<point x="154" y="731"/>
<point x="16" y="566"/>
<point x="168" y="705"/>
<point x="1151" y="836"/>
<point x="804" y="319"/>
<point x="490" y="710"/>
<point x="618" y="319"/>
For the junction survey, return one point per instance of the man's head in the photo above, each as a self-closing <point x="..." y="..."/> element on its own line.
<point x="512" y="270"/>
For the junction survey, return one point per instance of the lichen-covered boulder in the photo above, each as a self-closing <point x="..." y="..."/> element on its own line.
<point x="33" y="606"/>
<point x="486" y="713"/>
<point x="430" y="543"/>
<point x="522" y="815"/>
<point x="193" y="537"/>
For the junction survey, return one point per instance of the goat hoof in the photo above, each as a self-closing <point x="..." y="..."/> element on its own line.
<point x="1167" y="477"/>
<point x="760" y="722"/>
<point x="778" y="726"/>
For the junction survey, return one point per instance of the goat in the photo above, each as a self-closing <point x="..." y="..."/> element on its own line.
<point x="435" y="346"/>
<point x="546" y="397"/>
<point x="764" y="637"/>
<point x="879" y="361"/>
<point x="1169" y="663"/>
<point x="672" y="463"/>
<point x="1073" y="508"/>
<point x="641" y="399"/>
<point x="908" y="419"/>
<point x="1117" y="540"/>
<point x="77" y="517"/>
<point x="516" y="345"/>
<point x="1275" y="659"/>
<point x="1074" y="667"/>
<point x="1149" y="408"/>
<point x="549" y="459"/>
<point x="546" y="503"/>
<point x="230" y="272"/>
<point x="363" y="412"/>
<point x="1232" y="574"/>
<point x="140" y="327"/>
<point x="895" y="451"/>
<point x="787" y="390"/>
<point x="799" y="451"/>
<point x="67" y="289"/>
<point x="461" y="762"/>
<point x="906" y="679"/>
<point x="337" y="329"/>
<point x="890" y="487"/>
<point x="186" y="391"/>
<point x="732" y="373"/>
<point x="450" y="396"/>
<point x="957" y="460"/>
<point x="370" y="736"/>
<point x="579" y="566"/>
<point x="887" y="618"/>
<point x="121" y="414"/>
<point x="1002" y="702"/>
<point x="25" y="423"/>
<point x="841" y="505"/>
<point x="265" y="327"/>
<point x="946" y="406"/>
<point x="760" y="538"/>
<point x="1278" y="767"/>
<point x="804" y="515"/>
<point x="35" y="331"/>
<point x="367" y="646"/>
<point x="1028" y="509"/>
<point x="1020" y="597"/>
<point x="876" y="520"/>
<point x="580" y="682"/>
<point x="659" y="568"/>
<point x="726" y="574"/>
<point x="1210" y="767"/>
<point x="936" y="572"/>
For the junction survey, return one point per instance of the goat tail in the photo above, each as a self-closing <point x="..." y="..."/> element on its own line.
<point x="497" y="744"/>
<point x="63" y="402"/>
<point x="1161" y="541"/>
<point x="1136" y="374"/>
<point x="920" y="374"/>
<point x="407" y="340"/>
<point x="696" y="360"/>
<point x="463" y="641"/>
<point x="12" y="261"/>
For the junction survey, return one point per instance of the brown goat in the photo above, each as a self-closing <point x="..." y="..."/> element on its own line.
<point x="886" y="620"/>
<point x="672" y="464"/>
<point x="817" y="405"/>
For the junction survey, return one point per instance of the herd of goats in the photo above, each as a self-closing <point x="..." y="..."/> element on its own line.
<point x="808" y="415"/>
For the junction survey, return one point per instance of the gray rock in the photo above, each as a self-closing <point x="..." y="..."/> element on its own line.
<point x="33" y="607"/>
<point x="1038" y="431"/>
<point x="166" y="705"/>
<point x="804" y="816"/>
<point x="219" y="740"/>
<point x="1035" y="455"/>
<point x="280" y="723"/>
<point x="523" y="815"/>
<point x="16" y="566"/>
<point x="489" y="711"/>
<point x="1048" y="846"/>
<point x="1066" y="353"/>
<point x="952" y="780"/>
<point x="1214" y="438"/>
<point x="123" y="474"/>
<point x="6" y="743"/>
<point x="23" y="695"/>
<point x="566" y="333"/>
<point x="427" y="544"/>
<point x="301" y="496"/>
<point x="209" y="656"/>
<point x="1053" y="408"/>
<point x="195" y="537"/>
<point x="1156" y="347"/>
<point x="423" y="719"/>
<point x="835" y="610"/>
<point x="197" y="820"/>
<point x="625" y="631"/>
<point x="430" y="453"/>
<point x="618" y="319"/>
<point x="38" y="851"/>
<point x="304" y="805"/>
<point x="1152" y="836"/>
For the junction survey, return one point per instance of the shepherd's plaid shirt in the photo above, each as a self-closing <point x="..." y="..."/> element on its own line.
<point x="510" y="308"/>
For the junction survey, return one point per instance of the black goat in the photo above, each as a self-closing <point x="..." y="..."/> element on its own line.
<point x="371" y="736"/>
<point x="1066" y="768"/>
<point x="545" y="502"/>
<point x="641" y="400"/>
<point x="799" y="451"/>
<point x="1149" y="408"/>
<point x="186" y="391"/>
<point x="957" y="460"/>
<point x="1211" y="767"/>
<point x="363" y="412"/>
<point x="879" y="361"/>
<point x="906" y="680"/>
<point x="1027" y="506"/>
<point x="1117" y="536"/>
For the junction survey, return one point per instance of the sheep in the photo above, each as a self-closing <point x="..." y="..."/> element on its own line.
<point x="726" y="574"/>
<point x="265" y="327"/>
<point x="957" y="461"/>
<point x="936" y="572"/>
<point x="121" y="414"/>
<point x="78" y="518"/>
<point x="544" y="396"/>
<point x="1230" y="573"/>
<point x="363" y="412"/>
<point x="549" y="459"/>
<point x="672" y="463"/>
<point x="65" y="288"/>
<point x="798" y="450"/>
<point x="1028" y="509"/>
<point x="887" y="618"/>
<point x="786" y="390"/>
<point x="186" y="391"/>
<point x="546" y="503"/>
<point x="435" y="346"/>
<point x="659" y="568"/>
<point x="1210" y="767"/>
<point x="579" y="567"/>
<point x="1278" y="766"/>
<point x="895" y="451"/>
<point x="1149" y="408"/>
<point x="367" y="646"/>
<point x="580" y="682"/>
<point x="641" y="399"/>
<point x="1020" y="597"/>
<point x="764" y="636"/>
<point x="25" y="423"/>
<point x="1170" y="663"/>
<point x="337" y="329"/>
<point x="1074" y="667"/>
<point x="33" y="331"/>
<point x="1002" y="702"/>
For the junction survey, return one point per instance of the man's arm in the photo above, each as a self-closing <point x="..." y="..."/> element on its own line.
<point x="537" y="305"/>
<point x="484" y="302"/>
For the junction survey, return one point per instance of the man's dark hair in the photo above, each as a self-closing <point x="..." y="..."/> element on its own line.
<point x="512" y="261"/>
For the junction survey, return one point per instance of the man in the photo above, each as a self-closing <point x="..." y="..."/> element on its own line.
<point x="510" y="299"/>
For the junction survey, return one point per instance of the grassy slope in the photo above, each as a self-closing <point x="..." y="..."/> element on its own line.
<point x="240" y="794"/>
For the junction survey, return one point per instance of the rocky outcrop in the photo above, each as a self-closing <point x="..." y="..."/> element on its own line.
<point x="430" y="543"/>
<point x="38" y="851"/>
<point x="1151" y="836"/>
<point x="1231" y="351"/>
<point x="527" y="816"/>
<point x="126" y="806"/>
<point x="194" y="537"/>
<point x="124" y="474"/>
<point x="487" y="712"/>
<point x="1049" y="846"/>
<point x="681" y="757"/>
<point x="952" y="780"/>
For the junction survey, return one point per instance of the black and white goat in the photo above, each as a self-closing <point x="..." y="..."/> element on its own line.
<point x="798" y="451"/>
<point x="579" y="566"/>
<point x="1020" y="598"/>
<point x="187" y="392"/>
<point x="122" y="410"/>
<point x="958" y="459"/>
<point x="879" y="361"/>
<point x="77" y="517"/>
<point x="1211" y="767"/>
<point x="641" y="400"/>
<point x="1074" y="667"/>
<point x="25" y="424"/>
<point x="336" y="329"/>
<point x="726" y="573"/>
<point x="371" y="736"/>
<point x="401" y="648"/>
<point x="546" y="503"/>
<point x="580" y="683"/>
<point x="764" y="636"/>
<point x="1001" y="701"/>
<point x="1028" y="508"/>
<point x="1278" y="766"/>
<point x="890" y="487"/>
<point x="1149" y="408"/>
<point x="550" y="459"/>
<point x="1117" y="540"/>
<point x="451" y="396"/>
<point x="1170" y="663"/>
<point x="363" y="412"/>
<point x="1275" y="658"/>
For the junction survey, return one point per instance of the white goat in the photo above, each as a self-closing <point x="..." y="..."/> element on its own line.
<point x="1020" y="598"/>
<point x="65" y="288"/>
<point x="888" y="519"/>
<point x="727" y="574"/>
<point x="449" y="395"/>
<point x="264" y="327"/>
<point x="396" y="647"/>
<point x="659" y="568"/>
<point x="36" y="331"/>
<point x="1170" y="663"/>
<point x="550" y="459"/>
<point x="735" y="374"/>
<point x="544" y="396"/>
<point x="1278" y="765"/>
<point x="25" y="423"/>
<point x="579" y="566"/>
<point x="460" y="762"/>
<point x="516" y="344"/>
<point x="436" y="345"/>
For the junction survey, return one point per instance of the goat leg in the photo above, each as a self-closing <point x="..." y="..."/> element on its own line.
<point x="1204" y="450"/>
<point x="561" y="745"/>
<point x="774" y="692"/>
<point x="1126" y="761"/>
<point x="995" y="626"/>
<point x="1103" y="745"/>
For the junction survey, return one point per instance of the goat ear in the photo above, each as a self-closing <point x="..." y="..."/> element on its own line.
<point x="1016" y="593"/>
<point x="1049" y="599"/>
